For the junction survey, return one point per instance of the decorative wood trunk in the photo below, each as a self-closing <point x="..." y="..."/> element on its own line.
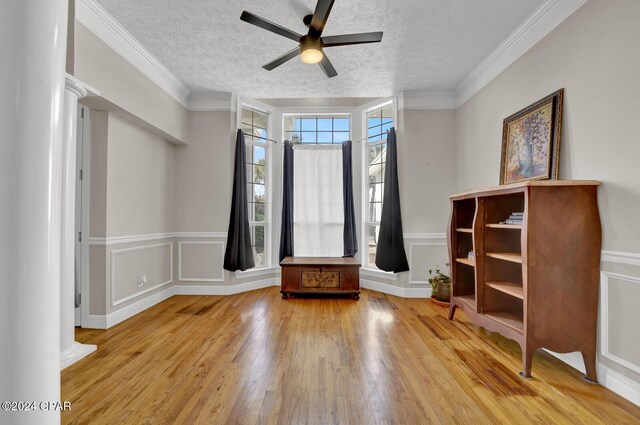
<point x="325" y="275"/>
<point x="536" y="283"/>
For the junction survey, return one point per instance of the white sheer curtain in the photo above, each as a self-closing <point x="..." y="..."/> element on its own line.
<point x="318" y="210"/>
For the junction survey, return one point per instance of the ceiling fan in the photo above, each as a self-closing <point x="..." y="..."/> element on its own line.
<point x="311" y="45"/>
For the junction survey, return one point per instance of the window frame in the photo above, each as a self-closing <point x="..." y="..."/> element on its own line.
<point x="251" y="141"/>
<point x="366" y="222"/>
<point x="317" y="113"/>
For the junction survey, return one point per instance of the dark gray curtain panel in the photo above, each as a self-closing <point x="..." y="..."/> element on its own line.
<point x="390" y="254"/>
<point x="349" y="233"/>
<point x="238" y="254"/>
<point x="286" y="232"/>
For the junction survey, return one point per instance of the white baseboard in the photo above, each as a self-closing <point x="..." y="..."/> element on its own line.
<point x="112" y="319"/>
<point x="397" y="291"/>
<point x="224" y="289"/>
<point x="74" y="353"/>
<point x="608" y="378"/>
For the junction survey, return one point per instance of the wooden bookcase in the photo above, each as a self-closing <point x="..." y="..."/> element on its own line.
<point x="535" y="283"/>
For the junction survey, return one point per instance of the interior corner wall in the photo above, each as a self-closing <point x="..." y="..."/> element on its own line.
<point x="594" y="55"/>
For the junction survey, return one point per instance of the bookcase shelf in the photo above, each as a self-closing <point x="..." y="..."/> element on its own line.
<point x="510" y="288"/>
<point x="520" y="271"/>
<point x="509" y="319"/>
<point x="467" y="261"/>
<point x="506" y="256"/>
<point x="504" y="226"/>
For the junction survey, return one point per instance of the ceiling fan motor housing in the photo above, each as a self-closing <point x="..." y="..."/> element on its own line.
<point x="311" y="49"/>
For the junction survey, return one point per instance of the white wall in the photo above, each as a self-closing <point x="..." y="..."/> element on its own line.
<point x="595" y="56"/>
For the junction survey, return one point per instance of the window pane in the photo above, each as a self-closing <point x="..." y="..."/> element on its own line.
<point x="257" y="242"/>
<point x="374" y="131"/>
<point x="259" y="208"/>
<point x="246" y="116"/>
<point x="246" y="128"/>
<point x="376" y="190"/>
<point x="291" y="123"/>
<point x="250" y="174"/>
<point x="308" y="124"/>
<point x="386" y="127"/>
<point x="293" y="136"/>
<point x="375" y="210"/>
<point x="249" y="149"/>
<point x="377" y="154"/>
<point x="259" y="154"/>
<point x="341" y="124"/>
<point x="259" y="193"/>
<point x="387" y="114"/>
<point x="340" y="136"/>
<point x="372" y="239"/>
<point x="309" y="137"/>
<point x="258" y="174"/>
<point x="325" y="124"/>
<point x="325" y="137"/>
<point x="259" y="119"/>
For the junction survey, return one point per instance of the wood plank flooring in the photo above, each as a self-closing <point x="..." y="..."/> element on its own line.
<point x="253" y="358"/>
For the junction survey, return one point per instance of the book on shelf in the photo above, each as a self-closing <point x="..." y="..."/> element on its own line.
<point x="471" y="255"/>
<point x="514" y="218"/>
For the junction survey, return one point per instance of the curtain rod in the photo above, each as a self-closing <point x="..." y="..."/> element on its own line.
<point x="258" y="137"/>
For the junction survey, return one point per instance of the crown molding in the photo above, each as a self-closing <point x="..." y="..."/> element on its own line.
<point x="541" y="22"/>
<point x="211" y="101"/>
<point x="426" y="99"/>
<point x="93" y="16"/>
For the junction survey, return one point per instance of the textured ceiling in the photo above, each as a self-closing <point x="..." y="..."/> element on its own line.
<point x="427" y="44"/>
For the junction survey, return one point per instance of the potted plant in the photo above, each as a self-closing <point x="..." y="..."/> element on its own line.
<point x="441" y="285"/>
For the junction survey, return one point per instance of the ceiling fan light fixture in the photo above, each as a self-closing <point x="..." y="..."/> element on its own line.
<point x="311" y="50"/>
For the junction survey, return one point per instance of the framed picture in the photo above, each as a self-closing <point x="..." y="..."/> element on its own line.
<point x="531" y="141"/>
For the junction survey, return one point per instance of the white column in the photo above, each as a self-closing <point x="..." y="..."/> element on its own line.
<point x="32" y="61"/>
<point x="70" y="350"/>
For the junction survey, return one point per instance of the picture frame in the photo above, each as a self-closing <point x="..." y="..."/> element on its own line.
<point x="531" y="141"/>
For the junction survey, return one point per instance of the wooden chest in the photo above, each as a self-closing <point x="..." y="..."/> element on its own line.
<point x="324" y="275"/>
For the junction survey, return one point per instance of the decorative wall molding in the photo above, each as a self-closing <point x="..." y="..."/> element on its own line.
<point x="182" y="278"/>
<point x="93" y="16"/>
<point x="413" y="281"/>
<point x="117" y="240"/>
<point x="426" y="99"/>
<point x="604" y="319"/>
<point x="211" y="101"/>
<point x="543" y="20"/>
<point x="114" y="253"/>
<point x="628" y="258"/>
<point x="224" y="289"/>
<point x="398" y="291"/>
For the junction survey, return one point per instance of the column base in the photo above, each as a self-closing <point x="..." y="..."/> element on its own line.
<point x="74" y="353"/>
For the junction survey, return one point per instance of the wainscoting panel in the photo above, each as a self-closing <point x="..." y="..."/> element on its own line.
<point x="619" y="318"/>
<point x="426" y="251"/>
<point x="153" y="262"/>
<point x="200" y="261"/>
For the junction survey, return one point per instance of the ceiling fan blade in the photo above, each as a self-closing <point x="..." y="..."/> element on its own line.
<point x="320" y="16"/>
<point x="347" y="39"/>
<point x="269" y="26"/>
<point x="327" y="67"/>
<point x="282" y="59"/>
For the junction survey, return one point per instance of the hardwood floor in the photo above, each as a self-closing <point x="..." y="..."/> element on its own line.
<point x="254" y="358"/>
